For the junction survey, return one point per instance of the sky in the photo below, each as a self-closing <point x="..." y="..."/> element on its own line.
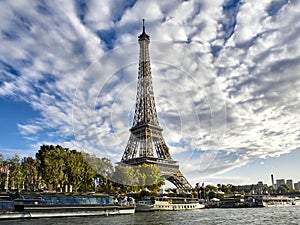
<point x="225" y="79"/>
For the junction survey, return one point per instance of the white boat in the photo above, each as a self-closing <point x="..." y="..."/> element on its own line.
<point x="296" y="201"/>
<point x="276" y="201"/>
<point x="168" y="204"/>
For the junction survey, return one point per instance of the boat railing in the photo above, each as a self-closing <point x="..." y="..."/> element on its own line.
<point x="126" y="204"/>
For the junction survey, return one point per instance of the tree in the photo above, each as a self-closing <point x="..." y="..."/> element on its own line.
<point x="211" y="188"/>
<point x="102" y="166"/>
<point x="52" y="165"/>
<point x="225" y="188"/>
<point x="130" y="178"/>
<point x="65" y="168"/>
<point x="104" y="170"/>
<point x="124" y="177"/>
<point x="283" y="189"/>
<point x="152" y="176"/>
<point x="210" y="191"/>
<point x="16" y="175"/>
<point x="234" y="188"/>
<point x="2" y="173"/>
<point x="74" y="170"/>
<point x="30" y="172"/>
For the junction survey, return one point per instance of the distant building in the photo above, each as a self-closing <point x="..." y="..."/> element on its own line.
<point x="260" y="184"/>
<point x="4" y="169"/>
<point x="289" y="183"/>
<point x="297" y="186"/>
<point x="280" y="182"/>
<point x="272" y="180"/>
<point x="259" y="188"/>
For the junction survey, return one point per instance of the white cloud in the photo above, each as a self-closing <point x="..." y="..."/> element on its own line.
<point x="249" y="21"/>
<point x="257" y="82"/>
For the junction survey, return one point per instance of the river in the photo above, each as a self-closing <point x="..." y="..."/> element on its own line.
<point x="266" y="216"/>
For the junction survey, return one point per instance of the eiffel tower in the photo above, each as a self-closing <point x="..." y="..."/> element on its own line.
<point x="146" y="143"/>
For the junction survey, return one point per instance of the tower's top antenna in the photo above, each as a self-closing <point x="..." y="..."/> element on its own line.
<point x="143" y="35"/>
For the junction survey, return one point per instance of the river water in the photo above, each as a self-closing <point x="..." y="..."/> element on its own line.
<point x="275" y="215"/>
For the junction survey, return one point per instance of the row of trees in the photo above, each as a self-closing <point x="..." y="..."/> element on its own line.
<point x="61" y="169"/>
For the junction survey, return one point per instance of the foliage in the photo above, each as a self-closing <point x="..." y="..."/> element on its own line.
<point x="16" y="175"/>
<point x="103" y="167"/>
<point x="2" y="174"/>
<point x="283" y="189"/>
<point x="134" y="178"/>
<point x="61" y="167"/>
<point x="225" y="188"/>
<point x="30" y="173"/>
<point x="104" y="170"/>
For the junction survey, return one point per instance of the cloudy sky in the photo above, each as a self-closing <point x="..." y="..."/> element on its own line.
<point x="225" y="76"/>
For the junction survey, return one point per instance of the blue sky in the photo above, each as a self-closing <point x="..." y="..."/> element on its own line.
<point x="225" y="76"/>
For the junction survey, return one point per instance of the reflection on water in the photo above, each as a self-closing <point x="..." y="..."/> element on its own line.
<point x="266" y="216"/>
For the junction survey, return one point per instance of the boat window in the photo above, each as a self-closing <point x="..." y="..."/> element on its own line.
<point x="66" y="201"/>
<point x="93" y="200"/>
<point x="46" y="200"/>
<point x="53" y="200"/>
<point x="100" y="201"/>
<point x="6" y="205"/>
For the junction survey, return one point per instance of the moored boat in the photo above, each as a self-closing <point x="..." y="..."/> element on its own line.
<point x="41" y="206"/>
<point x="296" y="201"/>
<point x="276" y="201"/>
<point x="168" y="204"/>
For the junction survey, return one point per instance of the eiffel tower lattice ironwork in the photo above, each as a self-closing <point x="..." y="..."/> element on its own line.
<point x="146" y="143"/>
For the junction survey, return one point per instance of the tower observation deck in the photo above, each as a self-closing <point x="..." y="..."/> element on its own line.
<point x="146" y="143"/>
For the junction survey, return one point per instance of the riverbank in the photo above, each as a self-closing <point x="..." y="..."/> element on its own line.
<point x="248" y="201"/>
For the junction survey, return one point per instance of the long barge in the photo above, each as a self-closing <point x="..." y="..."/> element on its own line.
<point x="46" y="206"/>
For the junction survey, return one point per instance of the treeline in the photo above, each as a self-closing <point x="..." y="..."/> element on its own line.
<point x="60" y="169"/>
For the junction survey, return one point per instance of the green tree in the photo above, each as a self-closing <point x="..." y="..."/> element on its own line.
<point x="30" y="172"/>
<point x="152" y="177"/>
<point x="211" y="188"/>
<point x="130" y="178"/>
<point x="225" y="188"/>
<point x="89" y="175"/>
<point x="52" y="165"/>
<point x="283" y="189"/>
<point x="74" y="170"/>
<point x="65" y="168"/>
<point x="3" y="175"/>
<point x="103" y="166"/>
<point x="16" y="175"/>
<point x="104" y="170"/>
<point x="234" y="188"/>
<point x="125" y="177"/>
